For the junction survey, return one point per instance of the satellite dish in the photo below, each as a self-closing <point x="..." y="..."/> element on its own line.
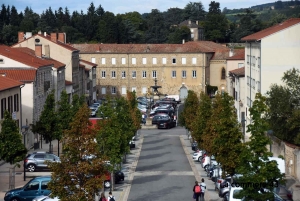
<point x="37" y="40"/>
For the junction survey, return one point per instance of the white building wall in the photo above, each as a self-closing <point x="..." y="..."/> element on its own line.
<point x="280" y="52"/>
<point x="27" y="103"/>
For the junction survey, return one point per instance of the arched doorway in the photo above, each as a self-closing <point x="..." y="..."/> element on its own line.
<point x="183" y="92"/>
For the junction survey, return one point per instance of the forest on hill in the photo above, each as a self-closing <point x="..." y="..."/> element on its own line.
<point x="100" y="26"/>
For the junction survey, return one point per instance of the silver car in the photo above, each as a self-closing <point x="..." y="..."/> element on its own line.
<point x="37" y="160"/>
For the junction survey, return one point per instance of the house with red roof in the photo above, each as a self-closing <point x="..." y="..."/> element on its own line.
<point x="54" y="46"/>
<point x="36" y="74"/>
<point x="268" y="54"/>
<point x="10" y="97"/>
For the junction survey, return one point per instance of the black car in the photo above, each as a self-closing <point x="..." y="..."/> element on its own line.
<point x="165" y="121"/>
<point x="169" y="112"/>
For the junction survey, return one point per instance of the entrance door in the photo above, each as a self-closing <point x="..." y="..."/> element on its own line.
<point x="183" y="93"/>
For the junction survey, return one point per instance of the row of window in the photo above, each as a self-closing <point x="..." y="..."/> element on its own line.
<point x="253" y="84"/>
<point x="113" y="90"/>
<point x="144" y="60"/>
<point x="10" y="103"/>
<point x="144" y="74"/>
<point x="252" y="60"/>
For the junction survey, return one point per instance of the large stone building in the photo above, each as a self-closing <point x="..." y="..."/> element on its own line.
<point x="133" y="67"/>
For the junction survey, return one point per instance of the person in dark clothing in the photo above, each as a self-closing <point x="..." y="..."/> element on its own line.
<point x="197" y="190"/>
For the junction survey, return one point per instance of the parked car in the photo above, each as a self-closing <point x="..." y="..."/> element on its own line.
<point x="208" y="160"/>
<point x="283" y="192"/>
<point x="35" y="187"/>
<point x="118" y="176"/>
<point x="93" y="112"/>
<point x="37" y="160"/>
<point x="231" y="196"/>
<point x="165" y="121"/>
<point x="197" y="156"/>
<point x="226" y="184"/>
<point x="194" y="146"/>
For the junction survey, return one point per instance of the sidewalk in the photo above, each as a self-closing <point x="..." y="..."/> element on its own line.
<point x="120" y="189"/>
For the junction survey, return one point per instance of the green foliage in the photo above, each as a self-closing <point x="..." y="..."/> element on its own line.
<point x="46" y="126"/>
<point x="64" y="115"/>
<point x="222" y="136"/>
<point x="216" y="24"/>
<point x="191" y="105"/>
<point x="77" y="103"/>
<point x="75" y="173"/>
<point x="284" y="113"/>
<point x="178" y="34"/>
<point x="254" y="163"/>
<point x="12" y="149"/>
<point x="135" y="113"/>
<point x="202" y="117"/>
<point x="116" y="129"/>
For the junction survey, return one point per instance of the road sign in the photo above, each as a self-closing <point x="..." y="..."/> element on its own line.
<point x="14" y="116"/>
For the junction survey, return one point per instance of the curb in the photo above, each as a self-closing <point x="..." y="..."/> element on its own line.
<point x="125" y="194"/>
<point x="192" y="164"/>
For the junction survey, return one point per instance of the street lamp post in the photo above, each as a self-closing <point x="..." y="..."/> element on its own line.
<point x="24" y="132"/>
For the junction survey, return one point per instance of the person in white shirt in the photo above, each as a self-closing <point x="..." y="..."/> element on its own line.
<point x="111" y="197"/>
<point x="203" y="187"/>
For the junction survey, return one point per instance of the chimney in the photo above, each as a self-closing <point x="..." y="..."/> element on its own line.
<point x="54" y="37"/>
<point x="38" y="50"/>
<point x="190" y="21"/>
<point x="20" y="36"/>
<point x="197" y="22"/>
<point x="45" y="34"/>
<point x="40" y="32"/>
<point x="231" y="52"/>
<point x="183" y="41"/>
<point x="62" y="37"/>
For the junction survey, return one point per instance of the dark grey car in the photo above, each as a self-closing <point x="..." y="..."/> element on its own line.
<point x="36" y="160"/>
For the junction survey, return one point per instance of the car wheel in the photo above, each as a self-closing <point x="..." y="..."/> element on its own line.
<point x="31" y="167"/>
<point x="199" y="159"/>
<point x="226" y="197"/>
<point x="106" y="184"/>
<point x="15" y="199"/>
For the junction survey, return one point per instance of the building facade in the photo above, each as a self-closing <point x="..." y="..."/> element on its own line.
<point x="268" y="54"/>
<point x="10" y="97"/>
<point x="134" y="67"/>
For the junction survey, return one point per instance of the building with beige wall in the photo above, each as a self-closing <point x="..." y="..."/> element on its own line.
<point x="10" y="96"/>
<point x="54" y="46"/>
<point x="133" y="67"/>
<point x="268" y="54"/>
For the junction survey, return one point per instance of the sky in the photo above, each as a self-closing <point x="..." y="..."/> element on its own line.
<point x="124" y="6"/>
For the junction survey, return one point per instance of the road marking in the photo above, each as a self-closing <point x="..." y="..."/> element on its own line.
<point x="152" y="173"/>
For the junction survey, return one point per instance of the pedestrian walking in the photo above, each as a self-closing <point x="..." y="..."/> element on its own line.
<point x="102" y="197"/>
<point x="111" y="197"/>
<point x="197" y="191"/>
<point x="203" y="188"/>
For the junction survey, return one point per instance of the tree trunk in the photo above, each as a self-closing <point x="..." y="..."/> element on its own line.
<point x="58" y="148"/>
<point x="112" y="181"/>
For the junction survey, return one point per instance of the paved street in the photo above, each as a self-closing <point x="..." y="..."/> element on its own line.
<point x="165" y="170"/>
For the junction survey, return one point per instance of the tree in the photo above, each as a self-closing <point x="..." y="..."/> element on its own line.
<point x="191" y="105"/>
<point x="81" y="172"/>
<point x="226" y="142"/>
<point x="64" y="116"/>
<point x="46" y="126"/>
<point x="216" y="24"/>
<point x="204" y="112"/>
<point x="179" y="34"/>
<point x="77" y="103"/>
<point x="254" y="163"/>
<point x="134" y="111"/>
<point x="283" y="101"/>
<point x="12" y="150"/>
<point x="194" y="11"/>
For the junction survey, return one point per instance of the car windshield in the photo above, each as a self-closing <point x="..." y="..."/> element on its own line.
<point x="163" y="117"/>
<point x="235" y="193"/>
<point x="93" y="110"/>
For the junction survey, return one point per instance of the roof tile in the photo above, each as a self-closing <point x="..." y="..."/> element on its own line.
<point x="188" y="47"/>
<point x="7" y="83"/>
<point x="238" y="71"/>
<point x="271" y="30"/>
<point x="25" y="58"/>
<point x="239" y="55"/>
<point x="22" y="75"/>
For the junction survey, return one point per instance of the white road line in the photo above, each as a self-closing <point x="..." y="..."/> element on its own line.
<point x="154" y="173"/>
